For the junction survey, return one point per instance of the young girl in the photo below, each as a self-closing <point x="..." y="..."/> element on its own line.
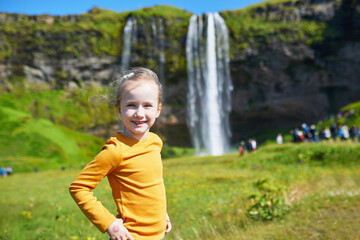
<point x="131" y="161"/>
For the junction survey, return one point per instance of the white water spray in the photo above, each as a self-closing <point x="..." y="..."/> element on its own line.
<point x="130" y="30"/>
<point x="209" y="82"/>
<point x="158" y="54"/>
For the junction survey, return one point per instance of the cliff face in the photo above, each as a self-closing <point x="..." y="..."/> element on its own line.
<point x="301" y="71"/>
<point x="82" y="48"/>
<point x="291" y="61"/>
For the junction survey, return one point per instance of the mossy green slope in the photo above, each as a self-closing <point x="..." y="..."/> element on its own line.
<point x="27" y="143"/>
<point x="77" y="109"/>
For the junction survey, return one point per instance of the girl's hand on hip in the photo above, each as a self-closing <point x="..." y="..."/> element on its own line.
<point x="117" y="231"/>
<point x="168" y="224"/>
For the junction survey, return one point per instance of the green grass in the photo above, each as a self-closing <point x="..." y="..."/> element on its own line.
<point x="173" y="152"/>
<point x="208" y="196"/>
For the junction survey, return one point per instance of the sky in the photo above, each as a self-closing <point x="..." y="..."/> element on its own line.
<point x="66" y="7"/>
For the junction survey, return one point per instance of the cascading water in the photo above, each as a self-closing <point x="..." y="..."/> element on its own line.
<point x="209" y="83"/>
<point x="162" y="51"/>
<point x="129" y="38"/>
<point x="158" y="38"/>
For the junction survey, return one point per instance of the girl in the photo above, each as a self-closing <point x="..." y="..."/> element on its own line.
<point x="131" y="161"/>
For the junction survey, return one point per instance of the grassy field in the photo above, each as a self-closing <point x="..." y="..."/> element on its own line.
<point x="208" y="197"/>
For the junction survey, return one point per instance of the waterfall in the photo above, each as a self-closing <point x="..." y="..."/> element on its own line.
<point x="156" y="40"/>
<point x="209" y="83"/>
<point x="158" y="54"/>
<point x="130" y="37"/>
<point x="162" y="51"/>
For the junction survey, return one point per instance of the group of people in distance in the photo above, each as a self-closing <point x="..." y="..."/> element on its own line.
<point x="310" y="134"/>
<point x="249" y="146"/>
<point x="335" y="132"/>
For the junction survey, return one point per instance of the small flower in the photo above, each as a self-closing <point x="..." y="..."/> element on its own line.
<point x="27" y="214"/>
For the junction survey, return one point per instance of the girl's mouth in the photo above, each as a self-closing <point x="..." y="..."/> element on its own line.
<point x="139" y="122"/>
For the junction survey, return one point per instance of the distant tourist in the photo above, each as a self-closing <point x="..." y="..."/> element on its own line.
<point x="352" y="133"/>
<point x="249" y="146"/>
<point x="3" y="172"/>
<point x="279" y="139"/>
<point x="131" y="160"/>
<point x="305" y="129"/>
<point x="334" y="131"/>
<point x="299" y="135"/>
<point x="345" y="132"/>
<point x="9" y="170"/>
<point x="321" y="135"/>
<point x="313" y="132"/>
<point x="253" y="144"/>
<point x="241" y="148"/>
<point x="327" y="133"/>
<point x="340" y="133"/>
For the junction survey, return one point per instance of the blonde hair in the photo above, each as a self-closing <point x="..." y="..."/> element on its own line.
<point x="137" y="75"/>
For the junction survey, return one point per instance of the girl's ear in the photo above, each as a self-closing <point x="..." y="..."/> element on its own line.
<point x="118" y="109"/>
<point x="159" y="108"/>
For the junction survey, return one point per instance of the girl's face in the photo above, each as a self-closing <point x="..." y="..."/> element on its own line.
<point x="139" y="108"/>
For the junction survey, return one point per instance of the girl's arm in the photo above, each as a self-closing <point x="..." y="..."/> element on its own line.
<point x="81" y="188"/>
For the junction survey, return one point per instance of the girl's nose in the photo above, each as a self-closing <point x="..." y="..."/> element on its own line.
<point x="139" y="112"/>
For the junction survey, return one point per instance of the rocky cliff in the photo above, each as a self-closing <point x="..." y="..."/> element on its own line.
<point x="297" y="61"/>
<point x="291" y="61"/>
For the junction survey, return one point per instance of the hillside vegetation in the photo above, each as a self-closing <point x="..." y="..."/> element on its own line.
<point x="349" y="115"/>
<point x="49" y="129"/>
<point x="28" y="144"/>
<point x="99" y="31"/>
<point x="45" y="129"/>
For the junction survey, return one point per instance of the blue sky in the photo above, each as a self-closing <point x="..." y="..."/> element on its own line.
<point x="65" y="7"/>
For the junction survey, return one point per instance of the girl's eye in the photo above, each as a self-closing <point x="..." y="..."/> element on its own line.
<point x="130" y="105"/>
<point x="147" y="105"/>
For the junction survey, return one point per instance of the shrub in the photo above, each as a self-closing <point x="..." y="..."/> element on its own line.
<point x="268" y="203"/>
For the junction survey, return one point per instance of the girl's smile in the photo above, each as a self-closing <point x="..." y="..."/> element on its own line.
<point x="139" y="122"/>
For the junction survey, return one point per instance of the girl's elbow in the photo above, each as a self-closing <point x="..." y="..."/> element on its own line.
<point x="73" y="189"/>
